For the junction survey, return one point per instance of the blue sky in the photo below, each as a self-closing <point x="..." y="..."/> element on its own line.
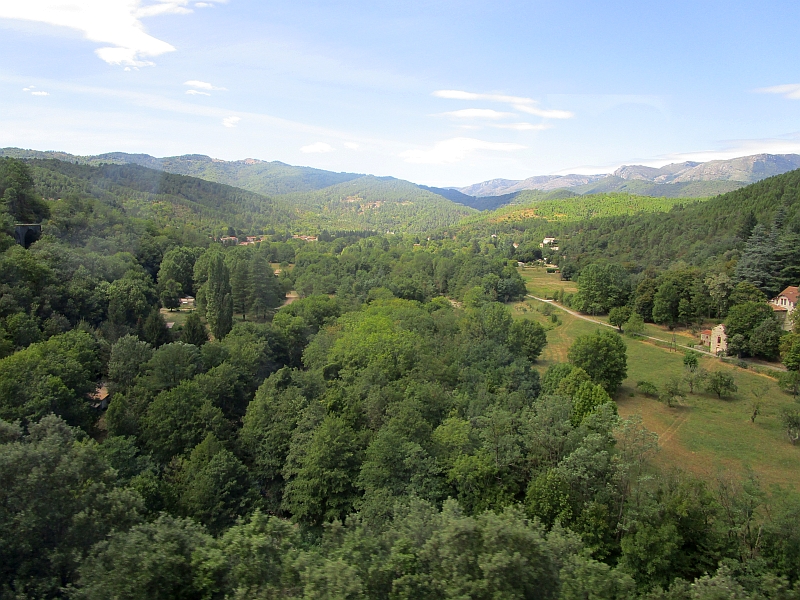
<point x="442" y="93"/>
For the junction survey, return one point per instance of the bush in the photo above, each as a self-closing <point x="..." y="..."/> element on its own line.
<point x="647" y="388"/>
<point x="721" y="384"/>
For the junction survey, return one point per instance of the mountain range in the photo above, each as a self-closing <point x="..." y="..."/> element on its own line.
<point x="688" y="179"/>
<point x="247" y="195"/>
<point x="353" y="199"/>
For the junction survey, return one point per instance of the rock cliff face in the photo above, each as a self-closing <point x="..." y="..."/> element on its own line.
<point x="498" y="187"/>
<point x="745" y="169"/>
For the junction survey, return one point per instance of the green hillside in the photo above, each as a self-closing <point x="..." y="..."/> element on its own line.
<point x="261" y="177"/>
<point x="369" y="203"/>
<point x="642" y="231"/>
<point x="407" y="424"/>
<point x="165" y="198"/>
<point x="380" y="204"/>
<point x="532" y="206"/>
<point x="690" y="189"/>
<point x="696" y="232"/>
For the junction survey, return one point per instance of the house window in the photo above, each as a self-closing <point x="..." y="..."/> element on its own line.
<point x="719" y="340"/>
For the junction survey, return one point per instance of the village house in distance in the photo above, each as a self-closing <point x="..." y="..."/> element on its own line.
<point x="784" y="305"/>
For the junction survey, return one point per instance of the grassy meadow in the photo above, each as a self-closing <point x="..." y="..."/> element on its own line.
<point x="703" y="434"/>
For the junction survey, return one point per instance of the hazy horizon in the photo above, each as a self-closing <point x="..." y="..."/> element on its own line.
<point x="444" y="94"/>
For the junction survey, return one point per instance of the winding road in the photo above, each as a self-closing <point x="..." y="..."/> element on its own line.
<point x="649" y="337"/>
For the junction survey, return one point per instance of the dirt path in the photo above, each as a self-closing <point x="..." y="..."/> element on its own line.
<point x="641" y="335"/>
<point x="290" y="297"/>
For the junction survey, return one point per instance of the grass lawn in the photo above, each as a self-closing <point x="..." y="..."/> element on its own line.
<point x="176" y="316"/>
<point x="542" y="284"/>
<point x="704" y="435"/>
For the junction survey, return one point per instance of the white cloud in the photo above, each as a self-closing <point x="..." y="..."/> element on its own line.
<point x="316" y="147"/>
<point x="113" y="22"/>
<point x="203" y="85"/>
<point x="527" y="105"/>
<point x="352" y="145"/>
<point x="455" y="150"/>
<point x="231" y="121"/>
<point x="791" y="90"/>
<point x="460" y="95"/>
<point x="30" y="89"/>
<point x="478" y="113"/>
<point x="524" y="126"/>
<point x="545" y="114"/>
<point x="197" y="93"/>
<point x="203" y="4"/>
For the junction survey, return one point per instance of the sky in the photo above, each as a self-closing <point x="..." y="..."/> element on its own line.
<point x="444" y="92"/>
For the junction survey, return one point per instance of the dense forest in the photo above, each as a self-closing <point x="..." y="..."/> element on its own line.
<point x="381" y="204"/>
<point x="385" y="435"/>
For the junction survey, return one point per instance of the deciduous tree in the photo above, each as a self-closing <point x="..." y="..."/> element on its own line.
<point x="603" y="355"/>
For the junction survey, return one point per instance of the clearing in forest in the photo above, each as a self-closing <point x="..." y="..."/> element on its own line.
<point x="702" y="434"/>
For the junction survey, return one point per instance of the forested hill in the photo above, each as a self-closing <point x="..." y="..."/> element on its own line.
<point x="261" y="177"/>
<point x="389" y="435"/>
<point x="368" y="203"/>
<point x="685" y="189"/>
<point x="381" y="204"/>
<point x="342" y="201"/>
<point x="657" y="232"/>
<point x="536" y="208"/>
<point x="696" y="233"/>
<point x="163" y="197"/>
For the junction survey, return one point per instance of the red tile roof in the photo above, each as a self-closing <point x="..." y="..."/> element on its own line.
<point x="791" y="293"/>
<point x="705" y="332"/>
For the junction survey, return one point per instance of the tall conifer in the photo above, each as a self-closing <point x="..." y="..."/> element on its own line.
<point x="218" y="298"/>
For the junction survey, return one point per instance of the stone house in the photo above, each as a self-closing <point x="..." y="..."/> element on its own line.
<point x="784" y="305"/>
<point x="719" y="341"/>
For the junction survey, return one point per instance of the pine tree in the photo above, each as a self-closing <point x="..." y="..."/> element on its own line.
<point x="155" y="330"/>
<point x="757" y="264"/>
<point x="240" y="286"/>
<point x="194" y="332"/>
<point x="265" y="289"/>
<point x="746" y="228"/>
<point x="218" y="298"/>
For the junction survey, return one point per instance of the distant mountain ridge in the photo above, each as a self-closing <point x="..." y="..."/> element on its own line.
<point x="300" y="185"/>
<point x="746" y="169"/>
<point x="259" y="176"/>
<point x="498" y="187"/>
<point x="307" y="199"/>
<point x="262" y="177"/>
<point x="738" y="172"/>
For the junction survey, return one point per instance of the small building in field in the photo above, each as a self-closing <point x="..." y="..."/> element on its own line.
<point x="705" y="337"/>
<point x="784" y="305"/>
<point x="719" y="341"/>
<point x="548" y="241"/>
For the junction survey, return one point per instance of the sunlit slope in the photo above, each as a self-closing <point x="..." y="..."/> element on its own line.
<point x="380" y="204"/>
<point x="163" y="197"/>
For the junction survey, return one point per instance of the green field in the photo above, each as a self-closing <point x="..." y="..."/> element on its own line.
<point x="703" y="435"/>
